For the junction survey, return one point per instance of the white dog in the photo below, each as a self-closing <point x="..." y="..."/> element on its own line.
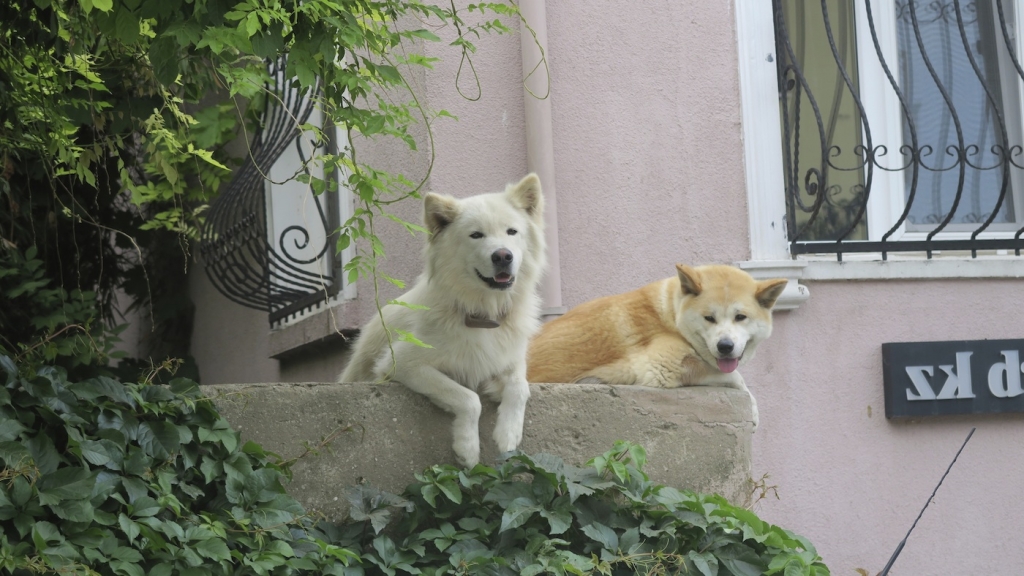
<point x="484" y="257"/>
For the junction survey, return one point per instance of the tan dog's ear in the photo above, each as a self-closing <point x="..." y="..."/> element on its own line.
<point x="768" y="291"/>
<point x="526" y="196"/>
<point x="690" y="279"/>
<point x="438" y="212"/>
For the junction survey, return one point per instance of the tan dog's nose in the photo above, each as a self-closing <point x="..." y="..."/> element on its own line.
<point x="725" y="346"/>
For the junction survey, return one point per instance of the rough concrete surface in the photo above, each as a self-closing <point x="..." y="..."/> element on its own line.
<point x="696" y="438"/>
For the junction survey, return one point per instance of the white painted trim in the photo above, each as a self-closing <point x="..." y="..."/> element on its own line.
<point x="347" y="205"/>
<point x="871" y="267"/>
<point x="795" y="293"/>
<point x="886" y="203"/>
<point x="923" y="269"/>
<point x="762" y="152"/>
<point x="1012" y="116"/>
<point x="762" y="130"/>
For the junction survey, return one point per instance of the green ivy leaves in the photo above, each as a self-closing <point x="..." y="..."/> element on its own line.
<point x="104" y="477"/>
<point x="131" y="479"/>
<point x="536" y="515"/>
<point x="101" y="5"/>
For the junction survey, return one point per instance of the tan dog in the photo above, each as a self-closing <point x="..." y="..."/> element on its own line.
<point x="690" y="330"/>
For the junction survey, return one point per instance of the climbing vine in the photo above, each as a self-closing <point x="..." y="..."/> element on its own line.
<point x="117" y="119"/>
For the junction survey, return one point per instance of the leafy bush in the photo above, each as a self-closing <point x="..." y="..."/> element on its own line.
<point x="117" y="116"/>
<point x="42" y="323"/>
<point x="120" y="120"/>
<point x="101" y="477"/>
<point x="535" y="514"/>
<point x="104" y="477"/>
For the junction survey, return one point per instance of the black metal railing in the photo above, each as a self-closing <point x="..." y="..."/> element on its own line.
<point x="241" y="259"/>
<point x="955" y="77"/>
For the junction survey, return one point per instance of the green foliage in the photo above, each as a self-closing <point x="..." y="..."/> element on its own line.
<point x="132" y="79"/>
<point x="42" y="323"/>
<point x="537" y="515"/>
<point x="116" y="115"/>
<point x="104" y="477"/>
<point x="100" y="477"/>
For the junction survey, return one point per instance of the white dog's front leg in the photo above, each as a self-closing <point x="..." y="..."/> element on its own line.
<point x="455" y="399"/>
<point x="508" y="432"/>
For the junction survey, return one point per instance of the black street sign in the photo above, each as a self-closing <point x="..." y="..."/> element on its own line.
<point x="962" y="377"/>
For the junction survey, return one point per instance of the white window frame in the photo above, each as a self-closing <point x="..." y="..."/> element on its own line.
<point x="762" y="149"/>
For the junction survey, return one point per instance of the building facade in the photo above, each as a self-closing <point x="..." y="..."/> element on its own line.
<point x="676" y="135"/>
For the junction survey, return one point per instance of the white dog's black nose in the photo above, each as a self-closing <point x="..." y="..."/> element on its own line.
<point x="501" y="257"/>
<point x="725" y="346"/>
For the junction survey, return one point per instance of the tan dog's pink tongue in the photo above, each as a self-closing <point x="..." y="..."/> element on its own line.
<point x="728" y="364"/>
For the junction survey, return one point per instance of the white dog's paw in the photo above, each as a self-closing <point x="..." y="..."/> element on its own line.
<point x="508" y="434"/>
<point x="467" y="450"/>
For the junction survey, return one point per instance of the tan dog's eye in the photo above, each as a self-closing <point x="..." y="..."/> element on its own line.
<point x="710" y="319"/>
<point x="476" y="235"/>
<point x="512" y="231"/>
<point x="740" y="317"/>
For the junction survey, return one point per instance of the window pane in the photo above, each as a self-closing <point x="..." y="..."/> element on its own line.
<point x="822" y="130"/>
<point x="938" y="39"/>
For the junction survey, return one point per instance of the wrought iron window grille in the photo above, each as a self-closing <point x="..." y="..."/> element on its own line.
<point x="951" y="176"/>
<point x="283" y="276"/>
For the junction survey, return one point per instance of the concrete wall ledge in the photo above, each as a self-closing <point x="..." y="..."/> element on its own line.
<point x="696" y="438"/>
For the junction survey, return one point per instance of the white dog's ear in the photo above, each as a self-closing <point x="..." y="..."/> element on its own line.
<point x="689" y="278"/>
<point x="438" y="212"/>
<point x="526" y="196"/>
<point x="768" y="291"/>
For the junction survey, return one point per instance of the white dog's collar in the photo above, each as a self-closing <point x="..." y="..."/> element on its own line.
<point x="482" y="322"/>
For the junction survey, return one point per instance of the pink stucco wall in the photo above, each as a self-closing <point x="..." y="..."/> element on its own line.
<point x="486" y="147"/>
<point x="647" y="129"/>
<point x="229" y="342"/>
<point x="649" y="163"/>
<point x="853" y="481"/>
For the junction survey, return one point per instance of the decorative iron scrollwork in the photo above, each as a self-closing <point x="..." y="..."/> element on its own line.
<point x="241" y="258"/>
<point x="957" y="63"/>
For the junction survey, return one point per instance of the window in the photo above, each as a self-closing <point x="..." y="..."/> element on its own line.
<point x="900" y="120"/>
<point x="899" y="123"/>
<point x="300" y="226"/>
<point x="270" y="245"/>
